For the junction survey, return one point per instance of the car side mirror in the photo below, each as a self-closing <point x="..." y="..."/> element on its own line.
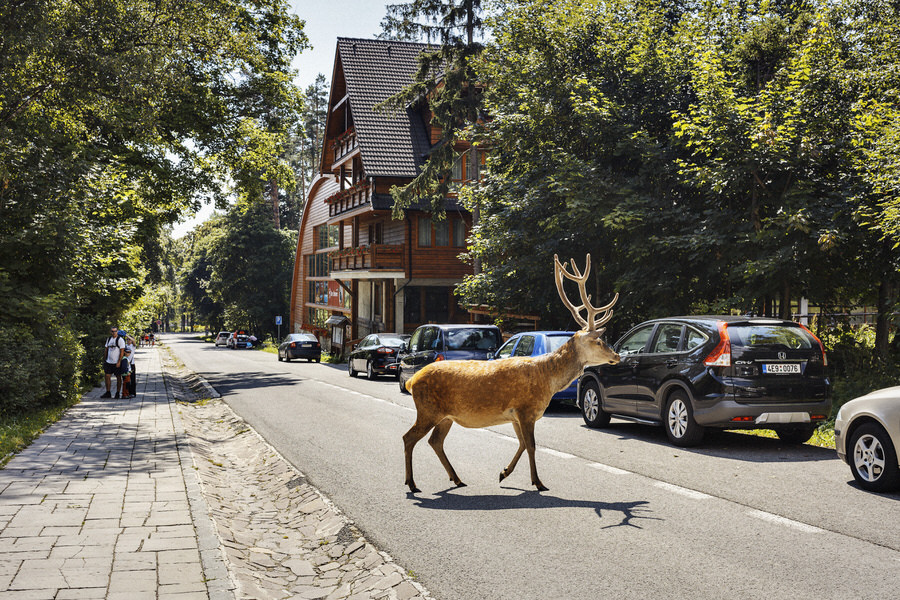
<point x="403" y="349"/>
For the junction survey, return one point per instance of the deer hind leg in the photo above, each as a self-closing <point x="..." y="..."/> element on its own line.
<point x="512" y="465"/>
<point x="528" y="434"/>
<point x="410" y="439"/>
<point x="437" y="443"/>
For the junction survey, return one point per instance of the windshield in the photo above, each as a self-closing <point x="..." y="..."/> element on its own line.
<point x="555" y="341"/>
<point x="783" y="336"/>
<point x="471" y="339"/>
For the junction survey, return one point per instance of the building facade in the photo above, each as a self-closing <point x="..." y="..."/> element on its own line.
<point x="353" y="259"/>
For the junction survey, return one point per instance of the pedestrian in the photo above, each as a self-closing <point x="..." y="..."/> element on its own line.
<point x="253" y="340"/>
<point x="129" y="379"/>
<point x="125" y="368"/>
<point x="152" y="339"/>
<point x="112" y="362"/>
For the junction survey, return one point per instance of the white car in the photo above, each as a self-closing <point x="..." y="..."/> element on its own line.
<point x="222" y="338"/>
<point x="866" y="437"/>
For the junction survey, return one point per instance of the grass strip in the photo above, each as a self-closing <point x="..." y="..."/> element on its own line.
<point x="18" y="431"/>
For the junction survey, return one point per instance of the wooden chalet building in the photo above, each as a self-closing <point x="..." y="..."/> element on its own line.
<point x="353" y="259"/>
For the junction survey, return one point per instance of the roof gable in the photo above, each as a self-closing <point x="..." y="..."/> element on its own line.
<point x="392" y="144"/>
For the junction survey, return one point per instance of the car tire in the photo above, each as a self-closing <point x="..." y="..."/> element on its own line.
<point x="591" y="405"/>
<point x="287" y="357"/>
<point x="403" y="389"/>
<point x="873" y="459"/>
<point x="678" y="420"/>
<point x="279" y="357"/>
<point x="796" y="435"/>
<point x="371" y="375"/>
<point x="350" y="368"/>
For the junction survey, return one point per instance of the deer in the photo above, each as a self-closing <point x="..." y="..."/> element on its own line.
<point x="517" y="390"/>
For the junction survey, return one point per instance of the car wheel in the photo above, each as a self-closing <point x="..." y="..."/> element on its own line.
<point x="350" y="368"/>
<point x="795" y="435"/>
<point x="287" y="357"/>
<point x="873" y="459"/>
<point x="591" y="409"/>
<point x="402" y="383"/>
<point x="681" y="428"/>
<point x="370" y="371"/>
<point x="279" y="357"/>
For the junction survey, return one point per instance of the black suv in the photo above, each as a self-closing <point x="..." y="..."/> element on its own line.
<point x="432" y="343"/>
<point x="688" y="373"/>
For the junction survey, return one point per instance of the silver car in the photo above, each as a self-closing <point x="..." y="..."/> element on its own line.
<point x="866" y="437"/>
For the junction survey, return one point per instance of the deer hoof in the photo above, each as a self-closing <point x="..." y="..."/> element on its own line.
<point x="541" y="487"/>
<point x="502" y="475"/>
<point x="460" y="484"/>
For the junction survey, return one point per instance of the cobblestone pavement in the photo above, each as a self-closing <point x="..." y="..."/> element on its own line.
<point x="118" y="500"/>
<point x="283" y="538"/>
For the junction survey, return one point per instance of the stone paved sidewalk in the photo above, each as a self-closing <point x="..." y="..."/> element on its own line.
<point x="117" y="500"/>
<point x="104" y="504"/>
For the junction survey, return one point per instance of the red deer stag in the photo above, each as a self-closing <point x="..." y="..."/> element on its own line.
<point x="514" y="390"/>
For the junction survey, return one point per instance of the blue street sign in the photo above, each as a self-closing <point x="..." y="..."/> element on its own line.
<point x="278" y="320"/>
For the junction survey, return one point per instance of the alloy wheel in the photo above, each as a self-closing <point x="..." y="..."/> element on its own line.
<point x="868" y="458"/>
<point x="590" y="404"/>
<point x="678" y="418"/>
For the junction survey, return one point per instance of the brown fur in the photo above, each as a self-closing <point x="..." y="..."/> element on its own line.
<point x="484" y="393"/>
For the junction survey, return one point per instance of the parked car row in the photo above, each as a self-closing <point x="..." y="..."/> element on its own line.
<point x="686" y="374"/>
<point x="234" y="339"/>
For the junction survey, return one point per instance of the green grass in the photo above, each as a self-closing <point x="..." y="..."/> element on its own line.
<point x="271" y="349"/>
<point x="18" y="431"/>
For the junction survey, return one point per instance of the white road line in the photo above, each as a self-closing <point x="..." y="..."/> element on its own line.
<point x="556" y="453"/>
<point x="689" y="493"/>
<point x="766" y="516"/>
<point x="608" y="469"/>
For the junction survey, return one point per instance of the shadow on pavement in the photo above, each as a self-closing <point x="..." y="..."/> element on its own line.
<point x="448" y="500"/>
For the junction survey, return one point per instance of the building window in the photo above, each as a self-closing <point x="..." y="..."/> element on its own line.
<point x="442" y="233"/>
<point x="326" y="236"/>
<point x="459" y="233"/>
<point x="317" y="265"/>
<point x="424" y="231"/>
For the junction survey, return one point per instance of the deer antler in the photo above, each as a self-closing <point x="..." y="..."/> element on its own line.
<point x="591" y="323"/>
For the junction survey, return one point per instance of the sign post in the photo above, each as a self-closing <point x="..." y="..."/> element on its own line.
<point x="278" y="322"/>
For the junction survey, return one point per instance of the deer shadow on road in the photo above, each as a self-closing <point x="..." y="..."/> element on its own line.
<point x="450" y="500"/>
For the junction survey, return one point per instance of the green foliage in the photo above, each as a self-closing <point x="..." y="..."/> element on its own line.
<point x="39" y="368"/>
<point x="856" y="367"/>
<point x="115" y="119"/>
<point x="444" y="82"/>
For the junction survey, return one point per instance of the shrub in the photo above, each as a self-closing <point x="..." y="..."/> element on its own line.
<point x="38" y="370"/>
<point x="855" y="368"/>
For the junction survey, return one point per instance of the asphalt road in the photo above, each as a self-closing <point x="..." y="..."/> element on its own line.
<point x="627" y="514"/>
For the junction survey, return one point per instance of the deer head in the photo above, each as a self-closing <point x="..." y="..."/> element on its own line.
<point x="594" y="350"/>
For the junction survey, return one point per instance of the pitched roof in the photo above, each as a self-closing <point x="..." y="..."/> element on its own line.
<point x="392" y="143"/>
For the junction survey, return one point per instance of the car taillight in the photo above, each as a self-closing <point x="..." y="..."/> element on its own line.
<point x="438" y="357"/>
<point x="385" y="351"/>
<point x="821" y="345"/>
<point x="293" y="344"/>
<point x="721" y="354"/>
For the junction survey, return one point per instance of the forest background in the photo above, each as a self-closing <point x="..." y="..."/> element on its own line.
<point x="710" y="155"/>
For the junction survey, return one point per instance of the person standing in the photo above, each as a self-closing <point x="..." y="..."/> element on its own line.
<point x="130" y="345"/>
<point x="112" y="362"/>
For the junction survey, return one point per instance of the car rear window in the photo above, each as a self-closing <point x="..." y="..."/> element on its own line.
<point x="555" y="341"/>
<point x="303" y="337"/>
<point x="388" y="340"/>
<point x="782" y="336"/>
<point x="471" y="339"/>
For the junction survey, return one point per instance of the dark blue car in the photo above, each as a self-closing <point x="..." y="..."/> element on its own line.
<point x="536" y="343"/>
<point x="432" y="343"/>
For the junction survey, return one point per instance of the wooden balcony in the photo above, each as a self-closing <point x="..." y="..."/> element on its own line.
<point x="344" y="145"/>
<point x="358" y="195"/>
<point x="377" y="257"/>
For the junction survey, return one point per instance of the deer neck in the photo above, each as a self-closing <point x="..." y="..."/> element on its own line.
<point x="562" y="366"/>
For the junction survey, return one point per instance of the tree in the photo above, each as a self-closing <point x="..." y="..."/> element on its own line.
<point x="304" y="149"/>
<point x="115" y="118"/>
<point x="446" y="81"/>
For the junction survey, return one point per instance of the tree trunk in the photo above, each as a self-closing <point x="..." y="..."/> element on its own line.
<point x="887" y="298"/>
<point x="786" y="302"/>
<point x="273" y="191"/>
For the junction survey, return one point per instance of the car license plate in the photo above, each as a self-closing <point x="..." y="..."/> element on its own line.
<point x="781" y="369"/>
<point x="306" y="345"/>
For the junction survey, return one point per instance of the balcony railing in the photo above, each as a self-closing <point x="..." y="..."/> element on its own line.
<point x="376" y="257"/>
<point x="345" y="144"/>
<point x="344" y="200"/>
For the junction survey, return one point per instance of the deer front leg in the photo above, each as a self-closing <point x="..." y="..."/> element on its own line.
<point x="437" y="443"/>
<point x="410" y="439"/>
<point x="512" y="465"/>
<point x="528" y="434"/>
